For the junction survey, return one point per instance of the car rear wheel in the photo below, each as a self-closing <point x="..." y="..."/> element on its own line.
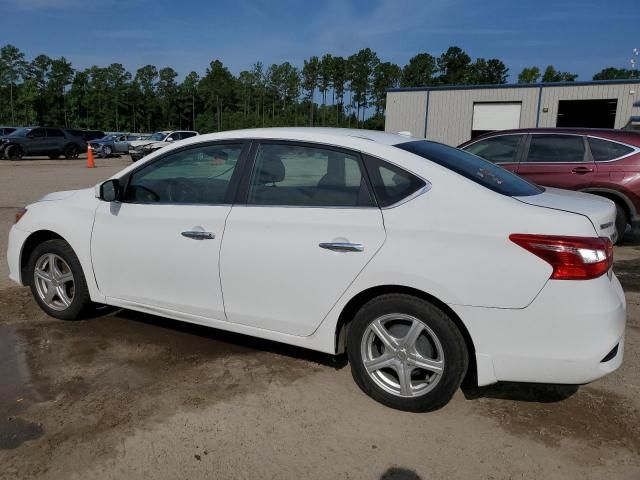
<point x="621" y="222"/>
<point x="71" y="151"/>
<point x="13" y="152"/>
<point x="406" y="353"/>
<point x="57" y="281"/>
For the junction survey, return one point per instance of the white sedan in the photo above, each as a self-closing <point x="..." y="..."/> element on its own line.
<point x="423" y="262"/>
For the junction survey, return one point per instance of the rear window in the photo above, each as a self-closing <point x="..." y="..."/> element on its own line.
<point x="474" y="168"/>
<point x="603" y="150"/>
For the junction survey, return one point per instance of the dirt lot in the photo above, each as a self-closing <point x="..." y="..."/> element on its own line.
<point x="135" y="396"/>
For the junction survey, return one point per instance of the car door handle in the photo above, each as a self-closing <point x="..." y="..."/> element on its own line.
<point x="582" y="170"/>
<point x="198" y="235"/>
<point x="342" y="246"/>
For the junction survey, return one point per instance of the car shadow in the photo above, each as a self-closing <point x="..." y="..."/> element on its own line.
<point x="398" y="473"/>
<point x="521" y="392"/>
<point x="245" y="341"/>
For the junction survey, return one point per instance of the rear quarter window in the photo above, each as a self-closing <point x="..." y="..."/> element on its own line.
<point x="604" y="150"/>
<point x="473" y="168"/>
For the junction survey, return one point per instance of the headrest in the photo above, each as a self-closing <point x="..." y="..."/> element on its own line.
<point x="271" y="169"/>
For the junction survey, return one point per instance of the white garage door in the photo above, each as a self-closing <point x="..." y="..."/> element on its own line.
<point x="496" y="116"/>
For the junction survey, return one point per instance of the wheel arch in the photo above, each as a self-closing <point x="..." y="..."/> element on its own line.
<point x="616" y="197"/>
<point x="353" y="305"/>
<point x="32" y="241"/>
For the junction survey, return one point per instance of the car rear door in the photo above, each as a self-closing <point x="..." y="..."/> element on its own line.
<point x="504" y="150"/>
<point x="305" y="227"/>
<point x="159" y="247"/>
<point x="557" y="160"/>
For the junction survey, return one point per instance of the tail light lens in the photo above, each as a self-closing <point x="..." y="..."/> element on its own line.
<point x="572" y="258"/>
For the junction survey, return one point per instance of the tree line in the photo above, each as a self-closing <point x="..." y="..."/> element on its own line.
<point x="325" y="91"/>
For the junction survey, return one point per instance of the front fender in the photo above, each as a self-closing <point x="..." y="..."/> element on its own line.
<point x="70" y="219"/>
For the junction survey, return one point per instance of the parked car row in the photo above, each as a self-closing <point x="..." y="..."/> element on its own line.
<point x="598" y="161"/>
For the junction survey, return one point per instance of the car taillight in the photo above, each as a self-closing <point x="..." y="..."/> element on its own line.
<point x="572" y="258"/>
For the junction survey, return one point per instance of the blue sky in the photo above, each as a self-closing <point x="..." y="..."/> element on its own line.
<point x="579" y="36"/>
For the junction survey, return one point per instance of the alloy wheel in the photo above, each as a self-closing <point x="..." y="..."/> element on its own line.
<point x="54" y="281"/>
<point x="402" y="355"/>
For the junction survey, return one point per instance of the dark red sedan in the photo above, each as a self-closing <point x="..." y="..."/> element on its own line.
<point x="602" y="162"/>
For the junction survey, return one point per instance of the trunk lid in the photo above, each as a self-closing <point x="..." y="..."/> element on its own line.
<point x="599" y="210"/>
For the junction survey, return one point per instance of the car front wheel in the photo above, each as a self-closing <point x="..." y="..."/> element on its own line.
<point x="57" y="281"/>
<point x="406" y="353"/>
<point x="13" y="152"/>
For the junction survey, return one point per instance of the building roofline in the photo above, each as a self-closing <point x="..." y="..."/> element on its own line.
<point x="630" y="81"/>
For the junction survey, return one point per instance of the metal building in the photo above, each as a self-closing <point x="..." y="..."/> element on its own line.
<point x="454" y="114"/>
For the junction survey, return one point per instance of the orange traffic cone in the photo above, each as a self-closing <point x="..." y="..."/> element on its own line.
<point x="90" y="162"/>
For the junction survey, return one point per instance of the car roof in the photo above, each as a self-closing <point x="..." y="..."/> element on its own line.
<point x="609" y="133"/>
<point x="313" y="133"/>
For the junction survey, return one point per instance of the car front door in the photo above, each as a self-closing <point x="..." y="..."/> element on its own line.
<point x="503" y="150"/>
<point x="305" y="229"/>
<point x="557" y="160"/>
<point x="36" y="143"/>
<point x="159" y="246"/>
<point x="120" y="144"/>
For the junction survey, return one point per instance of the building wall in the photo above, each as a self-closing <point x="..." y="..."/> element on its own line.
<point x="450" y="112"/>
<point x="405" y="112"/>
<point x="552" y="95"/>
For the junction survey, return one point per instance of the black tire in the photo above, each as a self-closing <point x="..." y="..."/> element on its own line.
<point x="81" y="302"/>
<point x="454" y="351"/>
<point x="13" y="152"/>
<point x="54" y="156"/>
<point x="621" y="222"/>
<point x="71" y="151"/>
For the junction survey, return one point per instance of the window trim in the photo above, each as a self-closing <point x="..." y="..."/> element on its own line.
<point x="242" y="195"/>
<point x="586" y="157"/>
<point x="125" y="180"/>
<point x="520" y="151"/>
<point x="634" y="149"/>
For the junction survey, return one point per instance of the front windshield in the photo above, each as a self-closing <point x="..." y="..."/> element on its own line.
<point x="157" y="137"/>
<point x="21" y="132"/>
<point x="474" y="168"/>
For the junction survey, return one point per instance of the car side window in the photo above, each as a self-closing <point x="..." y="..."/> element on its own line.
<point x="198" y="175"/>
<point x="188" y="135"/>
<point x="175" y="136"/>
<point x="502" y="149"/>
<point x="603" y="150"/>
<point x="305" y="176"/>
<point x="555" y="148"/>
<point x="390" y="183"/>
<point x="37" y="133"/>
<point x="54" y="132"/>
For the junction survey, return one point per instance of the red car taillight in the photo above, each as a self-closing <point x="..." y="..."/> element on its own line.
<point x="572" y="258"/>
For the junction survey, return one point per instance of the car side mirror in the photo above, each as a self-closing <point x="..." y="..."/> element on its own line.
<point x="170" y="139"/>
<point x="109" y="191"/>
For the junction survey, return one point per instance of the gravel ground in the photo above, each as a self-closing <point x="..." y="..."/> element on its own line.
<point x="134" y="396"/>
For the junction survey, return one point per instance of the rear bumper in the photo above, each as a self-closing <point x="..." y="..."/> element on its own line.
<point x="567" y="335"/>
